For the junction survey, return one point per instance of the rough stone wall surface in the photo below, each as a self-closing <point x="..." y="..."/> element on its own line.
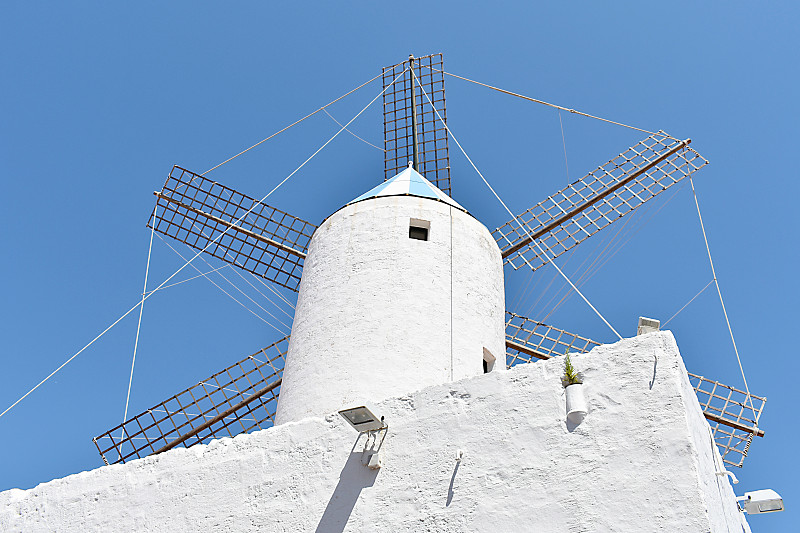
<point x="639" y="462"/>
<point x="381" y="315"/>
<point x="716" y="489"/>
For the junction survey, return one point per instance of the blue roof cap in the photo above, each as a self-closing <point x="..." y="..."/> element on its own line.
<point x="408" y="183"/>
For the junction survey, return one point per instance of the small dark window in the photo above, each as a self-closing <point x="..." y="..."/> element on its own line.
<point x="415" y="232"/>
<point x="488" y="361"/>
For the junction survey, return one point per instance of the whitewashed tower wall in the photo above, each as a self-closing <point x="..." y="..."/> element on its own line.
<point x="380" y="314"/>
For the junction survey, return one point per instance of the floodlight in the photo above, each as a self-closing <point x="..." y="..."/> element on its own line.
<point x="761" y="501"/>
<point x="362" y="419"/>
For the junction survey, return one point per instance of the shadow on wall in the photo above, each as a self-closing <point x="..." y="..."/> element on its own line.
<point x="450" y="492"/>
<point x="352" y="480"/>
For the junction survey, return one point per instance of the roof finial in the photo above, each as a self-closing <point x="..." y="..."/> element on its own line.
<point x="410" y="163"/>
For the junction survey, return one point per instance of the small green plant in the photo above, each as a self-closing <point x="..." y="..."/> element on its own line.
<point x="571" y="376"/>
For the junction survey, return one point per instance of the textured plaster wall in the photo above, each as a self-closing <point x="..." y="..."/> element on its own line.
<point x="381" y="315"/>
<point x="639" y="462"/>
<point x="717" y="490"/>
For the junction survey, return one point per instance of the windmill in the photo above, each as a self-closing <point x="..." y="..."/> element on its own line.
<point x="411" y="251"/>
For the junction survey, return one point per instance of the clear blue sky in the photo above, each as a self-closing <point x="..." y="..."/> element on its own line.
<point x="101" y="99"/>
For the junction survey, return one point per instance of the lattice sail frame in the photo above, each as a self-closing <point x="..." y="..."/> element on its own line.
<point x="578" y="211"/>
<point x="527" y="340"/>
<point x="434" y="153"/>
<point x="239" y="399"/>
<point x="733" y="422"/>
<point x="268" y="242"/>
<point x="723" y="403"/>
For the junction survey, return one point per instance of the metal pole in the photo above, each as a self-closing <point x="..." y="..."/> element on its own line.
<point x="415" y="160"/>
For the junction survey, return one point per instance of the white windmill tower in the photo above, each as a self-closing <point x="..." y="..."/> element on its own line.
<point x="401" y="289"/>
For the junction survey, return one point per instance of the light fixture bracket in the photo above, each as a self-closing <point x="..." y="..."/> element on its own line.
<point x="362" y="419"/>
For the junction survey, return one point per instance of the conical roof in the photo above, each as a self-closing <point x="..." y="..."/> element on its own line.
<point x="408" y="183"/>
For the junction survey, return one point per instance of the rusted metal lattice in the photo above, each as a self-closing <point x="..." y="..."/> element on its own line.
<point x="241" y="398"/>
<point x="605" y="195"/>
<point x="527" y="339"/>
<point x="434" y="154"/>
<point x="267" y="241"/>
<point x="733" y="420"/>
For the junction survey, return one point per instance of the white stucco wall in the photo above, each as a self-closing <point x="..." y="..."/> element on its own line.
<point x="717" y="490"/>
<point x="639" y="462"/>
<point x="381" y="315"/>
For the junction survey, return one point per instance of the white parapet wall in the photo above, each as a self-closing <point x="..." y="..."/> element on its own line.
<point x="642" y="460"/>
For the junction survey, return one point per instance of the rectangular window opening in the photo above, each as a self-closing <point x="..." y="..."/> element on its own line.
<point x="418" y="229"/>
<point x="488" y="361"/>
